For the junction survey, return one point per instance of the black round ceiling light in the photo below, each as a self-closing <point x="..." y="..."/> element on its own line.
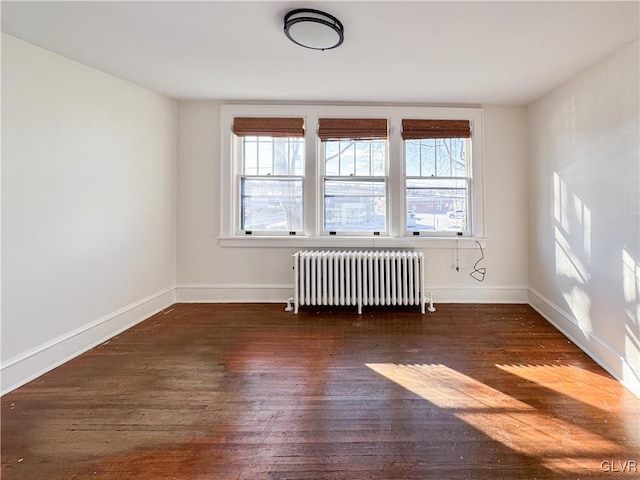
<point x="313" y="29"/>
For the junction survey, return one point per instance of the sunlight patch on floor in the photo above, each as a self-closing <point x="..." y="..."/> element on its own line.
<point x="501" y="417"/>
<point x="569" y="381"/>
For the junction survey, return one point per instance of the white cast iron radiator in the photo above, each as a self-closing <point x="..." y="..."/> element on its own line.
<point x="362" y="277"/>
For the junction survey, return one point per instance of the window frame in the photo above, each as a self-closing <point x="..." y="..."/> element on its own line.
<point x="323" y="177"/>
<point x="239" y="169"/>
<point x="397" y="234"/>
<point x="470" y="204"/>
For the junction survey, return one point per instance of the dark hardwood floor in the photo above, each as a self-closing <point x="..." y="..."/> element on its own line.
<point x="251" y="392"/>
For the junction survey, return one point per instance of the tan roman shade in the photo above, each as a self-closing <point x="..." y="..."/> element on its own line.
<point x="416" y="129"/>
<point x="352" y="128"/>
<point x="268" y="127"/>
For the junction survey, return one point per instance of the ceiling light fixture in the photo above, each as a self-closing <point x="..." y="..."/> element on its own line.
<point x="313" y="29"/>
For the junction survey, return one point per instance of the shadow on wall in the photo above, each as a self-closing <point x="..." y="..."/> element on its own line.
<point x="581" y="277"/>
<point x="573" y="252"/>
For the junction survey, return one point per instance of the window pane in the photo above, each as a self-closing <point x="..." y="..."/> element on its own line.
<point x="271" y="204"/>
<point x="443" y="162"/>
<point x="273" y="156"/>
<point x="455" y="149"/>
<point x="363" y="158"/>
<point x="250" y="155"/>
<point x="440" y="157"/>
<point x="378" y="158"/>
<point x="437" y="204"/>
<point x="296" y="156"/>
<point x="332" y="158"/>
<point x="347" y="160"/>
<point x="354" y="205"/>
<point x="412" y="158"/>
<point x="280" y="156"/>
<point x="428" y="157"/>
<point x="265" y="158"/>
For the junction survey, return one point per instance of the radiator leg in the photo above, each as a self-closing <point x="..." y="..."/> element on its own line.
<point x="431" y="307"/>
<point x="289" y="307"/>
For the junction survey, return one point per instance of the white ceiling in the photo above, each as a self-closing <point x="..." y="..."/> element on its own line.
<point x="417" y="52"/>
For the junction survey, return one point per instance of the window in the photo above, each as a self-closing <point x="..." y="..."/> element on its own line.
<point x="351" y="176"/>
<point x="271" y="174"/>
<point x="437" y="175"/>
<point x="354" y="153"/>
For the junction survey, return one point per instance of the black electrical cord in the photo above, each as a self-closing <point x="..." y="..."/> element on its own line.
<point x="479" y="273"/>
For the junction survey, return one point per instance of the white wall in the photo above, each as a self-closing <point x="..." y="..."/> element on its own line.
<point x="88" y="207"/>
<point x="584" y="245"/>
<point x="209" y="272"/>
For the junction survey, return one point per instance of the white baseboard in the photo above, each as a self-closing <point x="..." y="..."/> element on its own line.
<point x="279" y="293"/>
<point x="477" y="294"/>
<point x="233" y="293"/>
<point x="598" y="349"/>
<point x="29" y="365"/>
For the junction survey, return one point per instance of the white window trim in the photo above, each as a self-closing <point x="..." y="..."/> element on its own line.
<point x="312" y="236"/>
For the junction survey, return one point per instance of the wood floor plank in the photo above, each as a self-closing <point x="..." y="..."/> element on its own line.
<point x="220" y="392"/>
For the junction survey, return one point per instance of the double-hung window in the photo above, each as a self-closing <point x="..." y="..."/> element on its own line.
<point x="437" y="175"/>
<point x="271" y="174"/>
<point x="354" y="175"/>
<point x="351" y="176"/>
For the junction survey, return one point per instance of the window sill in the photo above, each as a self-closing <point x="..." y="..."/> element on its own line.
<point x="350" y="242"/>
